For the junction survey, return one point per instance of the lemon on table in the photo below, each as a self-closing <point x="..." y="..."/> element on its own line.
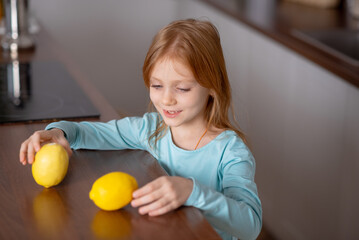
<point x="50" y="165"/>
<point x="113" y="190"/>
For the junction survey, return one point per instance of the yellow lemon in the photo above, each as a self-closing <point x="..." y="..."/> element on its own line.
<point x="50" y="166"/>
<point x="113" y="190"/>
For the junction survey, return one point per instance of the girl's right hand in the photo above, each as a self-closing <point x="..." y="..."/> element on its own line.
<point x="33" y="144"/>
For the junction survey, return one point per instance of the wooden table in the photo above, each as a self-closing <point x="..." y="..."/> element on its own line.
<point x="29" y="211"/>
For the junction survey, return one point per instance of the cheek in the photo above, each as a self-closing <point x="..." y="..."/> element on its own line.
<point x="154" y="101"/>
<point x="154" y="97"/>
<point x="201" y="99"/>
<point x="196" y="101"/>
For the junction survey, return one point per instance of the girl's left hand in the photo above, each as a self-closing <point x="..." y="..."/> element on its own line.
<point x="162" y="195"/>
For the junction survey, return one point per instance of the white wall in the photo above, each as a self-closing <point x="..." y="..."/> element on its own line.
<point x="108" y="40"/>
<point x="302" y="120"/>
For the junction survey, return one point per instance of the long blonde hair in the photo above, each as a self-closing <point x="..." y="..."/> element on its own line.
<point x="195" y="43"/>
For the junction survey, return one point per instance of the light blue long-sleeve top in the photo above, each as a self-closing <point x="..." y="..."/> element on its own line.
<point x="222" y="171"/>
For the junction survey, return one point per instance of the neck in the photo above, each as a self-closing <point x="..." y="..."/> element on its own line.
<point x="199" y="141"/>
<point x="190" y="137"/>
<point x="188" y="133"/>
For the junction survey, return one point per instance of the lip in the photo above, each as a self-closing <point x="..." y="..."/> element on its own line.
<point x="171" y="115"/>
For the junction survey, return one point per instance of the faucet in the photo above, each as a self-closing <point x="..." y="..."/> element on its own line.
<point x="16" y="26"/>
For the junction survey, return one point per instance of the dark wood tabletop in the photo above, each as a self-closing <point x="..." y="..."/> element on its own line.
<point x="29" y="211"/>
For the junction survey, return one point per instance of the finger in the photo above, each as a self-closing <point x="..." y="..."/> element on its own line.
<point x="162" y="210"/>
<point x="146" y="199"/>
<point x="23" y="152"/>
<point x="41" y="137"/>
<point x="148" y="188"/>
<point x="160" y="203"/>
<point x="35" y="140"/>
<point x="30" y="153"/>
<point x="63" y="142"/>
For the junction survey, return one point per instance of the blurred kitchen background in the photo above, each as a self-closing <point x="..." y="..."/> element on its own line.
<point x="302" y="119"/>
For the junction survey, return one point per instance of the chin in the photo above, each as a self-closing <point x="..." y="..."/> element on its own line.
<point x="172" y="122"/>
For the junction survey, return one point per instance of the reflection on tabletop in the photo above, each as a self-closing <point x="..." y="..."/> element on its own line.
<point x="49" y="212"/>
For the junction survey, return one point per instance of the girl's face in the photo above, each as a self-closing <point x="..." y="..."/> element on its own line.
<point x="177" y="95"/>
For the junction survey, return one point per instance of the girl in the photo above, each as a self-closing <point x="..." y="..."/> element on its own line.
<point x="206" y="157"/>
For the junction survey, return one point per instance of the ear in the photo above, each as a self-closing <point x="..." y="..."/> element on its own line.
<point x="211" y="93"/>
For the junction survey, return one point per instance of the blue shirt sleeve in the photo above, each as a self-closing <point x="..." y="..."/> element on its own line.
<point x="127" y="133"/>
<point x="236" y="209"/>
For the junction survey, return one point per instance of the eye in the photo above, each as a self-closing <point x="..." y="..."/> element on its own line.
<point x="184" y="89"/>
<point x="156" y="86"/>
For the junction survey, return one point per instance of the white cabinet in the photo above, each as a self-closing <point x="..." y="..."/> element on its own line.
<point x="303" y="123"/>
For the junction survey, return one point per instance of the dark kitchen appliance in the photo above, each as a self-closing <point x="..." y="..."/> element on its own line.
<point x="40" y="90"/>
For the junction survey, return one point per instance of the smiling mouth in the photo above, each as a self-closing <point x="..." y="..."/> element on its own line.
<point x="171" y="114"/>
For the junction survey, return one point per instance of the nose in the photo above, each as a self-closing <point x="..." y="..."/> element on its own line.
<point x="168" y="98"/>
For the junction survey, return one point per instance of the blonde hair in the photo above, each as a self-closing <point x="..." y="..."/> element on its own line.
<point x="195" y="43"/>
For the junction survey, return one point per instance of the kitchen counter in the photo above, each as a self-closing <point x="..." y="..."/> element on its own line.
<point x="279" y="20"/>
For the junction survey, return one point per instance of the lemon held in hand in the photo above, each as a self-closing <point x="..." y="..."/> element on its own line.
<point x="50" y="166"/>
<point x="113" y="190"/>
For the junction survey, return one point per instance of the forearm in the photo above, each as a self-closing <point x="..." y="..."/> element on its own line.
<point x="240" y="217"/>
<point x="90" y="135"/>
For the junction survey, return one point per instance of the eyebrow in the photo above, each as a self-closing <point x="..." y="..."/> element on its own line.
<point x="175" y="81"/>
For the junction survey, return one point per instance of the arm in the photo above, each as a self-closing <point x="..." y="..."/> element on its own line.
<point x="237" y="209"/>
<point x="117" y="134"/>
<point x="127" y="133"/>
